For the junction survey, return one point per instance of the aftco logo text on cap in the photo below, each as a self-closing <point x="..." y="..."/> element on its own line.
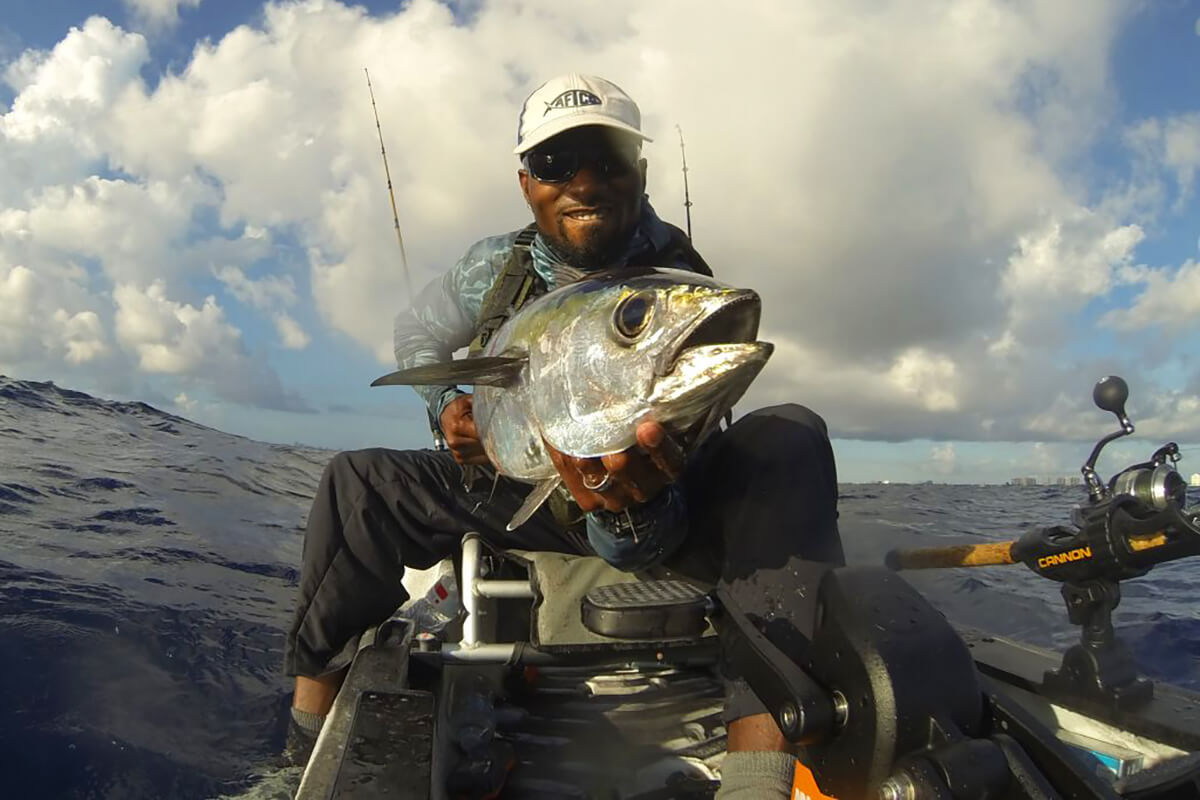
<point x="572" y="98"/>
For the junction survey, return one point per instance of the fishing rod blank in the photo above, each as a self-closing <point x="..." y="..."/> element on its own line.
<point x="391" y="194"/>
<point x="687" y="199"/>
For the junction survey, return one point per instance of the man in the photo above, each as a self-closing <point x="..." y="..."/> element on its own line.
<point x="767" y="482"/>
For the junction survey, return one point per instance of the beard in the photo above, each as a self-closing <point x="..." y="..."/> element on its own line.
<point x="596" y="249"/>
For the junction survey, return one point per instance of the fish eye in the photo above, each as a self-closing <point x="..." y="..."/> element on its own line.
<point x="633" y="315"/>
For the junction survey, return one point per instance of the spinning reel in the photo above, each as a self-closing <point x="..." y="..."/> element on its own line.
<point x="1127" y="526"/>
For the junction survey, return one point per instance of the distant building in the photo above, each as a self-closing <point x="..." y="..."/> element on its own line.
<point x="1024" y="482"/>
<point x="1070" y="480"/>
<point x="1194" y="480"/>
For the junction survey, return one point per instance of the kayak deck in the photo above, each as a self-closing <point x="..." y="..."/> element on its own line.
<point x="546" y="719"/>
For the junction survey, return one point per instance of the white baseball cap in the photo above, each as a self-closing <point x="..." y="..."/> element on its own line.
<point x="573" y="100"/>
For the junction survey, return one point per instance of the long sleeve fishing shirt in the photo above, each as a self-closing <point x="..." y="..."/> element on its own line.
<point x="444" y="317"/>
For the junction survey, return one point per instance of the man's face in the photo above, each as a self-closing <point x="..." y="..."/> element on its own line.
<point x="589" y="216"/>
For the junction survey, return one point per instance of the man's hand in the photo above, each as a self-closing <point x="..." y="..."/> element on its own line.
<point x="634" y="476"/>
<point x="458" y="426"/>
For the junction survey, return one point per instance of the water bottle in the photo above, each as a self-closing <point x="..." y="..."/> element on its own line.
<point x="440" y="606"/>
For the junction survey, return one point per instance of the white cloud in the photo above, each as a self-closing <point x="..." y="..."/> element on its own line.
<point x="1181" y="149"/>
<point x="1061" y="416"/>
<point x="172" y="337"/>
<point x="899" y="180"/>
<point x="1069" y="260"/>
<point x="919" y="390"/>
<point x="83" y="336"/>
<point x="1015" y="380"/>
<point x="1170" y="298"/>
<point x="180" y="339"/>
<point x="291" y="334"/>
<point x="133" y="230"/>
<point x="271" y="294"/>
<point x="79" y="236"/>
<point x="158" y="14"/>
<point x="263" y="294"/>
<point x="45" y="316"/>
<point x="51" y="132"/>
<point x="929" y="378"/>
<point x="80" y="77"/>
<point x="1169" y="146"/>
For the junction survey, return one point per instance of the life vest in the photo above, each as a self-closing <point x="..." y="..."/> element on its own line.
<point x="518" y="282"/>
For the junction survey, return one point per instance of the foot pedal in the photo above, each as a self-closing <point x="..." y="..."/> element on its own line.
<point x="647" y="610"/>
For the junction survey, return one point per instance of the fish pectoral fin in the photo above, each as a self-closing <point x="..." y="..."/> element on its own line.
<point x="484" y="371"/>
<point x="564" y="274"/>
<point x="533" y="502"/>
<point x="712" y="421"/>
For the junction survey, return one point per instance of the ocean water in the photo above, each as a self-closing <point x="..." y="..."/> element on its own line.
<point x="148" y="567"/>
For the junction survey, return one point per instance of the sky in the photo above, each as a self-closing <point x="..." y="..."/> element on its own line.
<point x="960" y="213"/>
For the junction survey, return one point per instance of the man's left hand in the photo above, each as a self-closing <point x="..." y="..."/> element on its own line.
<point x="633" y="476"/>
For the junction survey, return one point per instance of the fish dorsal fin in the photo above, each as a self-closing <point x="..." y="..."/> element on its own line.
<point x="484" y="371"/>
<point x="564" y="274"/>
<point x="533" y="502"/>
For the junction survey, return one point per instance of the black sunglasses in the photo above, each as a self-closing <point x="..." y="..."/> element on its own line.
<point x="561" y="164"/>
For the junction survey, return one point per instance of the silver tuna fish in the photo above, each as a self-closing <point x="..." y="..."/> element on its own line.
<point x="580" y="366"/>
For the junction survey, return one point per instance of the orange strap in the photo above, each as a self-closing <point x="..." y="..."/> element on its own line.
<point x="804" y="786"/>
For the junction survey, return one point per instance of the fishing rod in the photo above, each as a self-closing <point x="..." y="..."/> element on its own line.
<point x="687" y="200"/>
<point x="439" y="441"/>
<point x="1139" y="519"/>
<point x="391" y="194"/>
<point x="1136" y="521"/>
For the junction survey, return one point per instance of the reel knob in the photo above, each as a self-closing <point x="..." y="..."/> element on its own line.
<point x="1110" y="395"/>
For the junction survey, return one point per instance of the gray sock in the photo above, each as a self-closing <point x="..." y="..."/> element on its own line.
<point x="757" y="775"/>
<point x="308" y="722"/>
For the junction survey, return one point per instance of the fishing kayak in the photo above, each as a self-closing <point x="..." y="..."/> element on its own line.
<point x="570" y="679"/>
<point x="567" y="713"/>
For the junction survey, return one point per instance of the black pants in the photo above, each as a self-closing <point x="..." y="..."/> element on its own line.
<point x="761" y="496"/>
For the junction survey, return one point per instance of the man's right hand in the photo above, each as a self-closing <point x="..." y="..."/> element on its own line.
<point x="458" y="426"/>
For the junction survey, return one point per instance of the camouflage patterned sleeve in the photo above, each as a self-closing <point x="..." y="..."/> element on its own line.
<point x="443" y="315"/>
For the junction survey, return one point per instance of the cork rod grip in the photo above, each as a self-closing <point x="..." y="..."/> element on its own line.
<point x="969" y="555"/>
